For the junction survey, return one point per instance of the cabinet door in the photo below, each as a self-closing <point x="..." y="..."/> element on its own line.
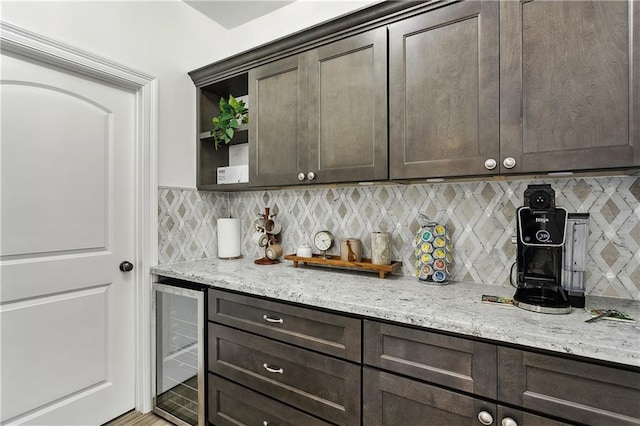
<point x="578" y="391"/>
<point x="567" y="74"/>
<point x="443" y="92"/>
<point x="348" y="109"/>
<point x="509" y="416"/>
<point x="392" y="400"/>
<point x="278" y="133"/>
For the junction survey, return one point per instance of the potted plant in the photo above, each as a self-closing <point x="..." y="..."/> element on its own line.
<point x="233" y="113"/>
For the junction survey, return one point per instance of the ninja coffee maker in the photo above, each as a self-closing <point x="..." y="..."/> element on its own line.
<point x="541" y="232"/>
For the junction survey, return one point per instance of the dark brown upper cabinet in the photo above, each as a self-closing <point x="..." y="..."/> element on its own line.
<point x="278" y="135"/>
<point x="567" y="74"/>
<point x="473" y="88"/>
<point x="321" y="116"/>
<point x="443" y="92"/>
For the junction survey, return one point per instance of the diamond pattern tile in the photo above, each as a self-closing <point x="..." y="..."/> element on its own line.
<point x="480" y="216"/>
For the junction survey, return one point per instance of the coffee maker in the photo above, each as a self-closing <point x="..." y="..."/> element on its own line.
<point x="541" y="232"/>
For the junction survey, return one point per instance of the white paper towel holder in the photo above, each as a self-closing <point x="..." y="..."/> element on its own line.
<point x="239" y="256"/>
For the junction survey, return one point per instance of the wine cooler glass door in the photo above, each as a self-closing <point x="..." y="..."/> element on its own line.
<point x="179" y="354"/>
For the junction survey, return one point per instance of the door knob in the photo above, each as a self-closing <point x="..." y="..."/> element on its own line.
<point x="301" y="176"/>
<point x="126" y="266"/>
<point x="311" y="176"/>
<point x="490" y="164"/>
<point x="509" y="162"/>
<point x="485" y="418"/>
<point x="508" y="421"/>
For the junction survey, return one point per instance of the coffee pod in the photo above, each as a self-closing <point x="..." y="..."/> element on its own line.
<point x="439" y="276"/>
<point x="425" y="272"/>
<point x="427" y="236"/>
<point x="439" y="242"/>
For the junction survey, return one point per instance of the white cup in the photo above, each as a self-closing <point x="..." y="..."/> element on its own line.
<point x="260" y="239"/>
<point x="304" y="251"/>
<point x="271" y="227"/>
<point x="274" y="251"/>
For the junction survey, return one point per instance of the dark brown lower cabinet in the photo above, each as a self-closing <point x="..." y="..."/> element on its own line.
<point x="394" y="400"/>
<point x="231" y="405"/>
<point x="583" y="392"/>
<point x="323" y="386"/>
<point x="391" y="400"/>
<point x="272" y="363"/>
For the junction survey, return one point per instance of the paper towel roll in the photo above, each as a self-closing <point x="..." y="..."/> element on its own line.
<point x="229" y="238"/>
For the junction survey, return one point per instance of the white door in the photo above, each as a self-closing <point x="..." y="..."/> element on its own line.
<point x="67" y="222"/>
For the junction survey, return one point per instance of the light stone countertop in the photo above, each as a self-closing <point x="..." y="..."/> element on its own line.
<point x="455" y="308"/>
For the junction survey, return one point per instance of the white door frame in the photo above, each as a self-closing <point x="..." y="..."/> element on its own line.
<point x="18" y="40"/>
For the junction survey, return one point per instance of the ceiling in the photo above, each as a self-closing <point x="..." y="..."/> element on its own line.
<point x="231" y="14"/>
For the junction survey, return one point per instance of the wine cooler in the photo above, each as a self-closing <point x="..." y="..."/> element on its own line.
<point x="179" y="354"/>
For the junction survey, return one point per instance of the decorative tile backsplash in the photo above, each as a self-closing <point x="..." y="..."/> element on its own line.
<point x="480" y="215"/>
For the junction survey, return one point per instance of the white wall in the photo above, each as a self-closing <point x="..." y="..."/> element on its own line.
<point x="165" y="39"/>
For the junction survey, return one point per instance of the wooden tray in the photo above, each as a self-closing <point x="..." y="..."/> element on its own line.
<point x="335" y="261"/>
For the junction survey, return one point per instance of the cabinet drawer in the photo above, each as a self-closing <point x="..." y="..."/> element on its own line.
<point x="231" y="405"/>
<point x="331" y="334"/>
<point x="449" y="361"/>
<point x="575" y="390"/>
<point x="318" y="384"/>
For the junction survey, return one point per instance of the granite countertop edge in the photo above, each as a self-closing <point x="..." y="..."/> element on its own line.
<point x="454" y="308"/>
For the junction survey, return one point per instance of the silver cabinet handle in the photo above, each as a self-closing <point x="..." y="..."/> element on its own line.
<point x="509" y="162"/>
<point x="271" y="369"/>
<point x="301" y="176"/>
<point x="508" y="421"/>
<point x="490" y="164"/>
<point x="265" y="423"/>
<point x="311" y="176"/>
<point x="485" y="417"/>
<point x="273" y="320"/>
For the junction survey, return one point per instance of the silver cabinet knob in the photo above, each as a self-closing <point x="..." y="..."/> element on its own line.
<point x="301" y="176"/>
<point x="490" y="164"/>
<point x="508" y="421"/>
<point x="311" y="176"/>
<point x="509" y="162"/>
<point x="485" y="417"/>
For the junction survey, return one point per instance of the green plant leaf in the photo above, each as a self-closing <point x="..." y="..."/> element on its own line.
<point x="233" y="113"/>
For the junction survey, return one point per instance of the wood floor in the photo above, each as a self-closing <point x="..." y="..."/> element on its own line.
<point x="135" y="418"/>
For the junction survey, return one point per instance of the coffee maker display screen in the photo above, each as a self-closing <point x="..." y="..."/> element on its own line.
<point x="542" y="228"/>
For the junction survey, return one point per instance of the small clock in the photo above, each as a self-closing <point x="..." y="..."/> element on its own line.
<point x="323" y="240"/>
